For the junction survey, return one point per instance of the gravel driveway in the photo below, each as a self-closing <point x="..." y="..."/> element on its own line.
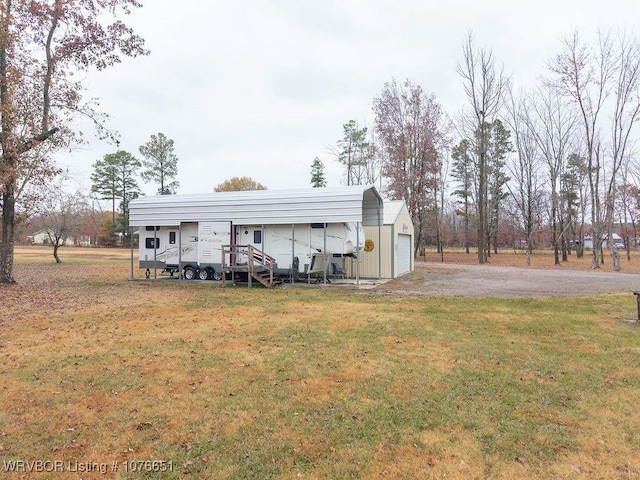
<point x="441" y="279"/>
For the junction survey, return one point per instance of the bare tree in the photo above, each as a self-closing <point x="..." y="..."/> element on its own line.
<point x="584" y="75"/>
<point x="484" y="86"/>
<point x="63" y="222"/>
<point x="627" y="205"/>
<point x="523" y="168"/>
<point x="552" y="124"/>
<point x="589" y="76"/>
<point x="625" y="115"/>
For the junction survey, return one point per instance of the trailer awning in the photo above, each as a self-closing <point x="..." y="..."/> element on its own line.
<point x="261" y="207"/>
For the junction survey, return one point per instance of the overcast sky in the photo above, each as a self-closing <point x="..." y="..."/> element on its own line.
<point x="260" y="87"/>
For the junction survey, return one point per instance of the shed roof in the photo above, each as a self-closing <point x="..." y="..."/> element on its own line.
<point x="261" y="207"/>
<point x="392" y="209"/>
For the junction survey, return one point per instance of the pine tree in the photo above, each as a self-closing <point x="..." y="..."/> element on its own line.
<point x="463" y="174"/>
<point x="160" y="163"/>
<point x="114" y="178"/>
<point x="499" y="147"/>
<point x="318" y="179"/>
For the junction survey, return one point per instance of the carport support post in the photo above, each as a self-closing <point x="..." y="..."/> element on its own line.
<point x="324" y="255"/>
<point x="379" y="242"/>
<point x="293" y="252"/>
<point x="155" y="252"/>
<point x="358" y="252"/>
<point x="131" y="235"/>
<point x="180" y="251"/>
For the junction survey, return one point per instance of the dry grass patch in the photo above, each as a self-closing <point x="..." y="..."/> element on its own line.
<point x="313" y="383"/>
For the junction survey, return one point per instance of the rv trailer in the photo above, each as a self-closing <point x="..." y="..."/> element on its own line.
<point x="197" y="248"/>
<point x="288" y="233"/>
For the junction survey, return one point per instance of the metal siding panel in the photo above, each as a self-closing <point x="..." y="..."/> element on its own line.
<point x="371" y="208"/>
<point x="404" y="224"/>
<point x="370" y="260"/>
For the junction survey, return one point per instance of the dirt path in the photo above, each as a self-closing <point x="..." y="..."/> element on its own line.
<point x="440" y="279"/>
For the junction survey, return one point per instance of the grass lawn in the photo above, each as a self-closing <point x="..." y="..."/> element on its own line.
<point x="297" y="382"/>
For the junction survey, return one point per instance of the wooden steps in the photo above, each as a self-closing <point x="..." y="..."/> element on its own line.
<point x="260" y="268"/>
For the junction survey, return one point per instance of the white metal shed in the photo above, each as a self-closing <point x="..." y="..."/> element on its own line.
<point x="392" y="255"/>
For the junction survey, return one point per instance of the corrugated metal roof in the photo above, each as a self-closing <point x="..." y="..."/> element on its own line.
<point x="261" y="207"/>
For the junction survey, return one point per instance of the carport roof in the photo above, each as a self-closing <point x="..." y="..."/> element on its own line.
<point x="261" y="207"/>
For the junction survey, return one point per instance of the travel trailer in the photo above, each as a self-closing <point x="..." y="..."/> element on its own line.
<point x="261" y="234"/>
<point x="197" y="248"/>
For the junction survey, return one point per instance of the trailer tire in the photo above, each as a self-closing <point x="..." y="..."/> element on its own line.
<point x="189" y="273"/>
<point x="216" y="275"/>
<point x="204" y="274"/>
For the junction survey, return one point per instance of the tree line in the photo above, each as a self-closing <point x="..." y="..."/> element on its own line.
<point x="79" y="218"/>
<point x="559" y="157"/>
<point x="556" y="163"/>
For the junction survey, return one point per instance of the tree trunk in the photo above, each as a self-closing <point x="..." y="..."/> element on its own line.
<point x="488" y="243"/>
<point x="466" y="226"/>
<point x="482" y="206"/>
<point x="580" y="244"/>
<point x="554" y="229"/>
<point x="563" y="239"/>
<point x="8" y="235"/>
<point x="55" y="253"/>
<point x="495" y="237"/>
<point x="616" y="260"/>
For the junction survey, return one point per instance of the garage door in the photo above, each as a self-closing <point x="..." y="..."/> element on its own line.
<point x="404" y="253"/>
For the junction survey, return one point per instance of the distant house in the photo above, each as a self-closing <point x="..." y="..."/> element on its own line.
<point x="43" y="237"/>
<point x="617" y="239"/>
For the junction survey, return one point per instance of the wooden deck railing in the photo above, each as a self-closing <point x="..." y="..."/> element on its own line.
<point x="249" y="259"/>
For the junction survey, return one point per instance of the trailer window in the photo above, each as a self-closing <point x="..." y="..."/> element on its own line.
<point x="172" y="238"/>
<point x="317" y="225"/>
<point x="149" y="243"/>
<point x="257" y="236"/>
<point x="151" y="228"/>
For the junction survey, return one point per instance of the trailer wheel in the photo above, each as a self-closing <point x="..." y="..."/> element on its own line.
<point x="189" y="273"/>
<point x="203" y="274"/>
<point x="216" y="275"/>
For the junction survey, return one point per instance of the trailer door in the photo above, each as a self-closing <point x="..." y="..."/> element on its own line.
<point x="211" y="237"/>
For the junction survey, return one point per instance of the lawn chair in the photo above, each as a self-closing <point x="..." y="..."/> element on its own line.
<point x="337" y="272"/>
